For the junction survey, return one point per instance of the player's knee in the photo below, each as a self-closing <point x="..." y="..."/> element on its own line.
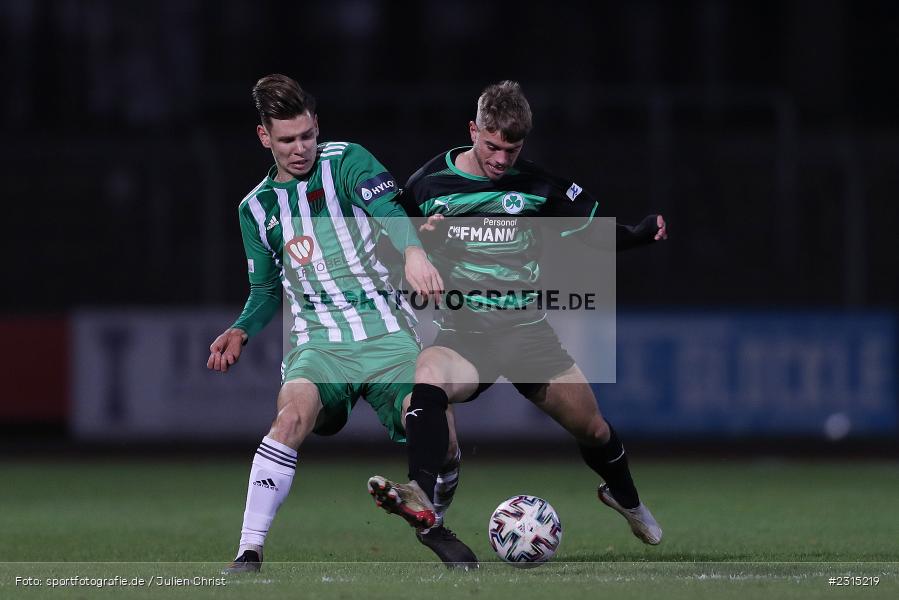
<point x="429" y="372"/>
<point x="594" y="433"/>
<point x="288" y="426"/>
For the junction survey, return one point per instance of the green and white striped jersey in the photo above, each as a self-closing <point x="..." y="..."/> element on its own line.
<point x="315" y="238"/>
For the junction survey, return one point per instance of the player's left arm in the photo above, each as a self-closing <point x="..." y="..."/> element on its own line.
<point x="568" y="199"/>
<point x="372" y="188"/>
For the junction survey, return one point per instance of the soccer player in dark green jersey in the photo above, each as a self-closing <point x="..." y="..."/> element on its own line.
<point x="486" y="183"/>
<point x="310" y="228"/>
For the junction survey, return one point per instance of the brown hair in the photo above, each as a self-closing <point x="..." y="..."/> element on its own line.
<point x="502" y="107"/>
<point x="280" y="97"/>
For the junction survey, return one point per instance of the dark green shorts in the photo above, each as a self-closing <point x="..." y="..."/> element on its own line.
<point x="381" y="369"/>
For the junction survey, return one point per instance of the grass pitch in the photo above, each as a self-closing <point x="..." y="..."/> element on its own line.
<point x="732" y="530"/>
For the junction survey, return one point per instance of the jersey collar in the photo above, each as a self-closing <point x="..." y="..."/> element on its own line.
<point x="273" y="172"/>
<point x="450" y="162"/>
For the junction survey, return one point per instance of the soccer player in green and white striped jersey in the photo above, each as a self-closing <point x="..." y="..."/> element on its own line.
<point x="310" y="228"/>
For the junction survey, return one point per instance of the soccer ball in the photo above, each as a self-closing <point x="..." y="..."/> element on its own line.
<point x="525" y="531"/>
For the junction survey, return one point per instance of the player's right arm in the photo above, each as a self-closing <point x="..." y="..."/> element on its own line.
<point x="262" y="303"/>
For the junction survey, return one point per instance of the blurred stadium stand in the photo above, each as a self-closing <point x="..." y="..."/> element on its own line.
<point x="766" y="133"/>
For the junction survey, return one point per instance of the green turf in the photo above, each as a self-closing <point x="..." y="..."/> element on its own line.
<point x="773" y="529"/>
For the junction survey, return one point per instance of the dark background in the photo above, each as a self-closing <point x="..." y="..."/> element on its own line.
<point x="766" y="132"/>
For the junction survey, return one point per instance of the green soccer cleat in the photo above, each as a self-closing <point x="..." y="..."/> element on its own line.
<point x="248" y="562"/>
<point x="449" y="548"/>
<point x="404" y="499"/>
<point x="642" y="523"/>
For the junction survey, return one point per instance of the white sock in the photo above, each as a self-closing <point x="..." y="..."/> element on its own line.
<point x="445" y="490"/>
<point x="270" y="478"/>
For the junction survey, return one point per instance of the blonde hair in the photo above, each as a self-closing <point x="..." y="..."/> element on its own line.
<point x="502" y="107"/>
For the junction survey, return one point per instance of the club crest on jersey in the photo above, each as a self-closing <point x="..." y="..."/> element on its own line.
<point x="372" y="189"/>
<point x="300" y="249"/>
<point x="513" y="203"/>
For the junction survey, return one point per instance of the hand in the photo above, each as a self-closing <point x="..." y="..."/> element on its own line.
<point x="225" y="350"/>
<point x="431" y="224"/>
<point x="662" y="233"/>
<point x="421" y="274"/>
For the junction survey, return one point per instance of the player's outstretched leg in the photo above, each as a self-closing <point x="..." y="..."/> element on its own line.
<point x="427" y="435"/>
<point x="430" y="436"/>
<point x="441" y="376"/>
<point x="609" y="460"/>
<point x="408" y="501"/>
<point x="438" y="538"/>
<point x="570" y="401"/>
<point x="427" y="441"/>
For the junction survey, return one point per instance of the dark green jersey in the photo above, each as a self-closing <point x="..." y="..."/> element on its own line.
<point x="492" y="239"/>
